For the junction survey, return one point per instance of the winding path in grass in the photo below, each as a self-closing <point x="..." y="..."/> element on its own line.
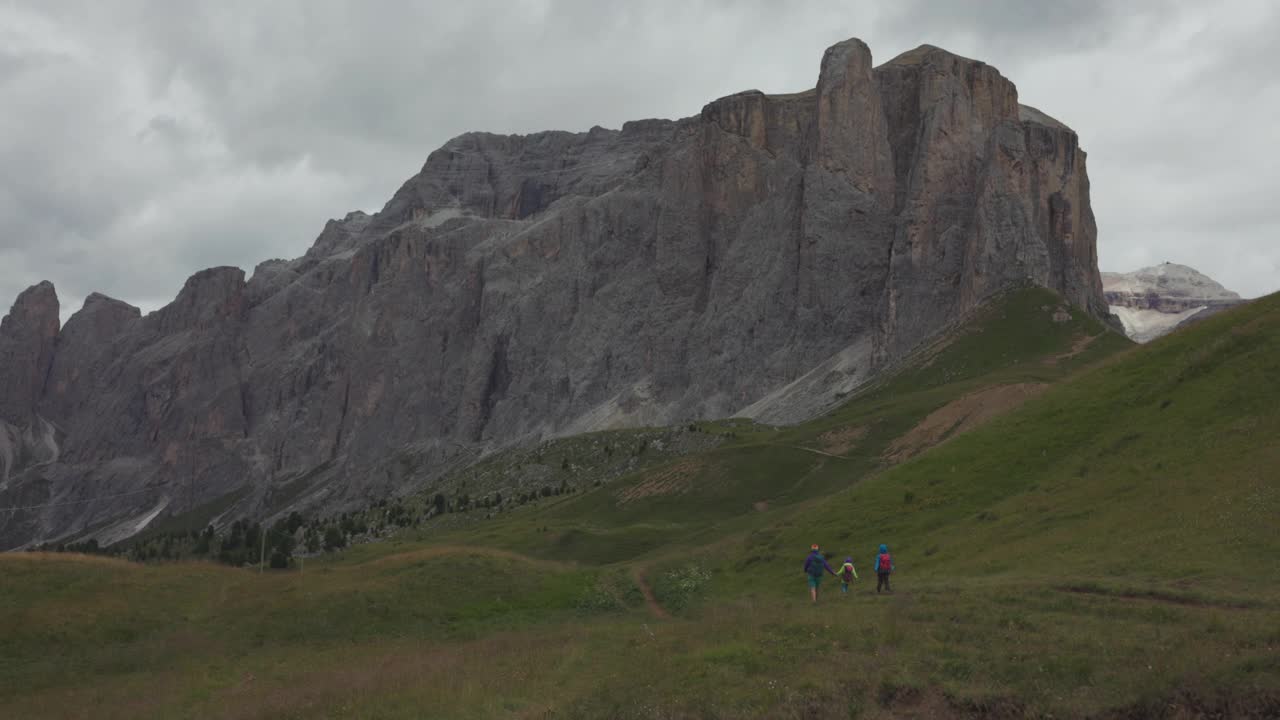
<point x="435" y="551"/>
<point x="650" y="601"/>
<point x="637" y="572"/>
<point x="815" y="451"/>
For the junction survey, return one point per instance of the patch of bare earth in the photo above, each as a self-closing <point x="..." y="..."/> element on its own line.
<point x="671" y="480"/>
<point x="842" y="440"/>
<point x="959" y="416"/>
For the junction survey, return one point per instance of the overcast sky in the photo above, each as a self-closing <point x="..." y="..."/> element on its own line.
<point x="143" y="141"/>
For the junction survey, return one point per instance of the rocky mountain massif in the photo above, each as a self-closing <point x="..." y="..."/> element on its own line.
<point x="760" y="259"/>
<point x="1151" y="302"/>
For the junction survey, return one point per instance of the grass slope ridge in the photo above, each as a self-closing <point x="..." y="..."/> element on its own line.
<point x="1107" y="548"/>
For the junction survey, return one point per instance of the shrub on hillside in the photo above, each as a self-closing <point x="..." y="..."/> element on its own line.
<point x="334" y="539"/>
<point x="676" y="589"/>
<point x="613" y="591"/>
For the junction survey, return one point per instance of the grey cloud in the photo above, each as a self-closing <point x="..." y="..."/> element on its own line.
<point x="155" y="138"/>
<point x="14" y="64"/>
<point x="1010" y="26"/>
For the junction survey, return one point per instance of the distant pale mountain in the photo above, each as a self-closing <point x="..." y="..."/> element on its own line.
<point x="1151" y="302"/>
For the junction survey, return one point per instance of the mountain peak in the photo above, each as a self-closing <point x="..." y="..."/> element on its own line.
<point x="27" y="337"/>
<point x="1169" y="279"/>
<point x="923" y="53"/>
<point x="1153" y="301"/>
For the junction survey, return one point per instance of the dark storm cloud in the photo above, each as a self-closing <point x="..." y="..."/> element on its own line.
<point x="146" y="140"/>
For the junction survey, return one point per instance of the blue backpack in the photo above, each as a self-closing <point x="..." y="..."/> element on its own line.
<point x="813" y="565"/>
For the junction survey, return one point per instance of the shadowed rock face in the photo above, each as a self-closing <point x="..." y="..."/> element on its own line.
<point x="27" y="337"/>
<point x="759" y="259"/>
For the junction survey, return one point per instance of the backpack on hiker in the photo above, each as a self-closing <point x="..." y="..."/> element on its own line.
<point x="885" y="563"/>
<point x="846" y="575"/>
<point x="813" y="565"/>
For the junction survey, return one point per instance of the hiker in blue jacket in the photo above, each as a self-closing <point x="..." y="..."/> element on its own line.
<point x="814" y="566"/>
<point x="883" y="566"/>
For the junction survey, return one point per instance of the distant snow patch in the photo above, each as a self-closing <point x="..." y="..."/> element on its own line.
<point x="1146" y="325"/>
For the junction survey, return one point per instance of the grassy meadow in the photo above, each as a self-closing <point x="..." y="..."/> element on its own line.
<point x="1081" y="528"/>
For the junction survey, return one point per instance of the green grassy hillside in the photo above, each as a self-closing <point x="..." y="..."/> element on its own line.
<point x="1080" y="527"/>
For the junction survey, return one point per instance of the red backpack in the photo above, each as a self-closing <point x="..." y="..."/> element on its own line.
<point x="886" y="563"/>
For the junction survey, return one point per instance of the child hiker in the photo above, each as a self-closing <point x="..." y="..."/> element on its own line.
<point x="814" y="566"/>
<point x="883" y="566"/>
<point x="847" y="574"/>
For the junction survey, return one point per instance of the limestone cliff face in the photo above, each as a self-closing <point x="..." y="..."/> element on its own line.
<point x="988" y="193"/>
<point x="28" y="335"/>
<point x="759" y="259"/>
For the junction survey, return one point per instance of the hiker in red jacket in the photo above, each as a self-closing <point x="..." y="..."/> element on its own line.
<point x="883" y="566"/>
